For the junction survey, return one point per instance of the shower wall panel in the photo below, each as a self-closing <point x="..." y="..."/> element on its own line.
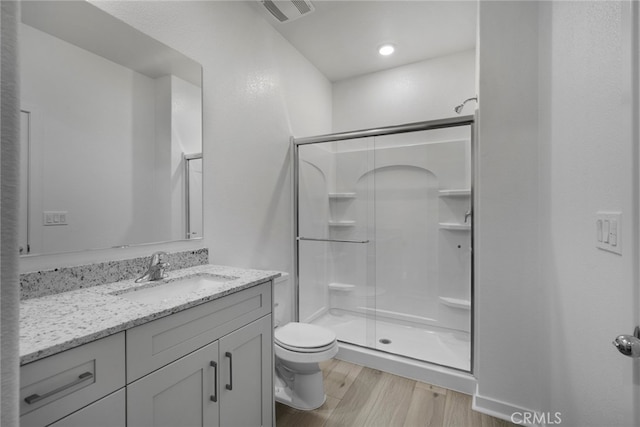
<point x="407" y="242"/>
<point x="417" y="265"/>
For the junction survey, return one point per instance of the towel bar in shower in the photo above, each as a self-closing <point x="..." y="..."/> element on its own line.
<point x="332" y="240"/>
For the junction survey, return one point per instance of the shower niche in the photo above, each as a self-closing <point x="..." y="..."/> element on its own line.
<point x="384" y="239"/>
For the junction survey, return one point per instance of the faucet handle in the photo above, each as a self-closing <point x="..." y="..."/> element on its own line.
<point x="157" y="257"/>
<point x="156" y="268"/>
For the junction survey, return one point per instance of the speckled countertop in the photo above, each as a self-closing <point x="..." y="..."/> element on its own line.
<point x="59" y="322"/>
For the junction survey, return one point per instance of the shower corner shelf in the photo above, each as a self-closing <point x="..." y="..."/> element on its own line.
<point x="341" y="287"/>
<point x="455" y="193"/>
<point x="454" y="226"/>
<point x="342" y="196"/>
<point x="463" y="304"/>
<point x="342" y="223"/>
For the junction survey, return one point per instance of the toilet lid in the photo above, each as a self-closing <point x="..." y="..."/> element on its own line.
<point x="303" y="336"/>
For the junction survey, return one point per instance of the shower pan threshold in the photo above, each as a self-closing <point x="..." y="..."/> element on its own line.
<point x="441" y="376"/>
<point x="434" y="345"/>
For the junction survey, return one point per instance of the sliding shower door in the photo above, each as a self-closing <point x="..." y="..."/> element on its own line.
<point x="336" y="249"/>
<point x="384" y="226"/>
<point x="423" y="245"/>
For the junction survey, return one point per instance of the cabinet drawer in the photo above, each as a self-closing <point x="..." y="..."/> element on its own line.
<point x="109" y="411"/>
<point x="158" y="343"/>
<point x="55" y="386"/>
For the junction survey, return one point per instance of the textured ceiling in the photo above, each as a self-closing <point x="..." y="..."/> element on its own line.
<point x="341" y="37"/>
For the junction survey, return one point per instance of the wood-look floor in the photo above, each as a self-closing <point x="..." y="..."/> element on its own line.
<point x="359" y="396"/>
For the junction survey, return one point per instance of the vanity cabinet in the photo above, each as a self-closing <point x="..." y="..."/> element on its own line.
<point x="209" y="365"/>
<point x="206" y="366"/>
<point x="226" y="383"/>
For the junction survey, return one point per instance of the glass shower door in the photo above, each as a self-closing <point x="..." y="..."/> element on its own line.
<point x="384" y="238"/>
<point x="423" y="245"/>
<point x="336" y="245"/>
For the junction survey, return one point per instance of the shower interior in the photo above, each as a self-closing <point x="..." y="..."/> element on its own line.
<point x="384" y="237"/>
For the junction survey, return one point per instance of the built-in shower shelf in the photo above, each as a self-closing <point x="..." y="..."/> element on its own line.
<point x="342" y="195"/>
<point x="341" y="287"/>
<point x="455" y="193"/>
<point x="343" y="223"/>
<point x="463" y="304"/>
<point x="455" y="226"/>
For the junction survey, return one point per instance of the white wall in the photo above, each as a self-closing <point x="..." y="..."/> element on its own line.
<point x="510" y="318"/>
<point x="555" y="147"/>
<point x="416" y="92"/>
<point x="586" y="165"/>
<point x="258" y="90"/>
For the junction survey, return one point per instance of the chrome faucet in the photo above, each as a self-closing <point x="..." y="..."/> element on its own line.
<point x="156" y="268"/>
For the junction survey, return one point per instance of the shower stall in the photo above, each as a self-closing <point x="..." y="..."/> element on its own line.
<point x="383" y="225"/>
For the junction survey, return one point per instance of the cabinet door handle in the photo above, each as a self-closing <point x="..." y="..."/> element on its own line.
<point x="230" y="356"/>
<point x="34" y="398"/>
<point x="214" y="398"/>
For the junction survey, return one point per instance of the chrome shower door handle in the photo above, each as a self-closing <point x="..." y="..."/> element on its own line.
<point x="629" y="345"/>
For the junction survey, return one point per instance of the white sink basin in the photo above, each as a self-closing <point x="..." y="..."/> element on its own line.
<point x="167" y="291"/>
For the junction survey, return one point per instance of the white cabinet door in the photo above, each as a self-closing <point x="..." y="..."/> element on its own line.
<point x="246" y="386"/>
<point x="106" y="412"/>
<point x="180" y="394"/>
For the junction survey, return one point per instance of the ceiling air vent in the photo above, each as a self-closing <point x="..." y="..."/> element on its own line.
<point x="287" y="10"/>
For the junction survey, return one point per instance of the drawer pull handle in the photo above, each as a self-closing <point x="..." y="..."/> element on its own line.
<point x="214" y="398"/>
<point x="230" y="356"/>
<point x="34" y="398"/>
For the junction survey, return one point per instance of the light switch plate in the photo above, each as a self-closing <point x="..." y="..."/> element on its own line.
<point x="609" y="231"/>
<point x="54" y="218"/>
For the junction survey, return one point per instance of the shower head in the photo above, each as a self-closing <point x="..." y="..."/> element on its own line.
<point x="458" y="108"/>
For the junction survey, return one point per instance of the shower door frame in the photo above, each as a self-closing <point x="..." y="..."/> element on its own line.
<point x="187" y="191"/>
<point x="468" y="120"/>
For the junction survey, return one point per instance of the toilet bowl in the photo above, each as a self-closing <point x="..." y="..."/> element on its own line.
<point x="299" y="348"/>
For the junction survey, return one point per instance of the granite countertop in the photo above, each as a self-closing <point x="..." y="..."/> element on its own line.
<point x="54" y="323"/>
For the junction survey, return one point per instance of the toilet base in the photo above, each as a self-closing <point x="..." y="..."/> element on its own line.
<point x="299" y="390"/>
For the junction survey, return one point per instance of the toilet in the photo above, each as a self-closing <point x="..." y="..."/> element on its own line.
<point x="299" y="348"/>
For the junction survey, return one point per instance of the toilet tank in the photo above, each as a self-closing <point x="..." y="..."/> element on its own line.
<point x="282" y="300"/>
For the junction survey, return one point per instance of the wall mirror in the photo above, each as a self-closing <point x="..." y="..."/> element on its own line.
<point x="111" y="133"/>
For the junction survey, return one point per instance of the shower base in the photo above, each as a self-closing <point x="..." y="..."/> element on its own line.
<point x="425" y="343"/>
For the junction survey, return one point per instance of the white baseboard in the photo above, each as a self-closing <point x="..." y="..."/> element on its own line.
<point x="505" y="411"/>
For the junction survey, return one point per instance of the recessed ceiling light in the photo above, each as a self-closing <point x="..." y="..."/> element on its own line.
<point x="386" y="49"/>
